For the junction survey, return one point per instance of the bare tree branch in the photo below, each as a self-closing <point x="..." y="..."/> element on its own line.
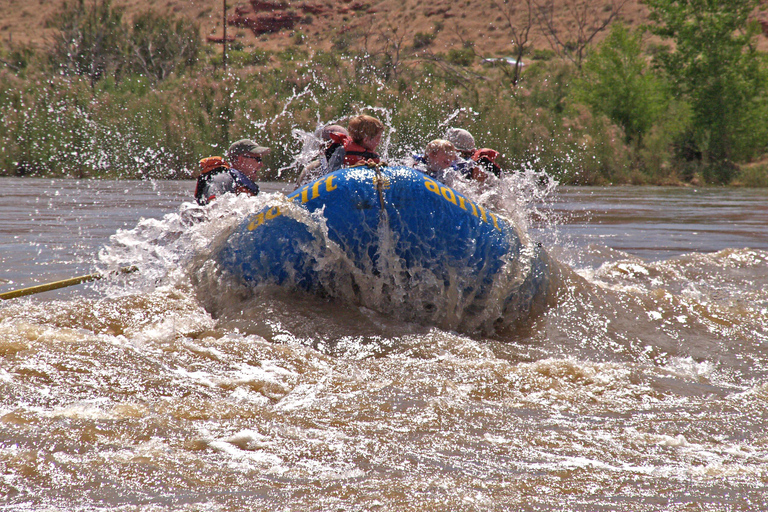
<point x="519" y="28"/>
<point x="589" y="18"/>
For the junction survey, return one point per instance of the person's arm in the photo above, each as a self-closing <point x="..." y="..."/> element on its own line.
<point x="337" y="159"/>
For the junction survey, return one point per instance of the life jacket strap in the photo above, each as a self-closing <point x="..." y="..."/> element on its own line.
<point x="364" y="154"/>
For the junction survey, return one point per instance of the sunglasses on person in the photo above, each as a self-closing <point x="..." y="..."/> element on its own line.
<point x="254" y="157"/>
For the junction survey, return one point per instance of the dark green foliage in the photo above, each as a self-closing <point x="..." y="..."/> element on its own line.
<point x="16" y="57"/>
<point x="160" y="45"/>
<point x="422" y="40"/>
<point x="616" y="81"/>
<point x="715" y="66"/>
<point x="461" y="57"/>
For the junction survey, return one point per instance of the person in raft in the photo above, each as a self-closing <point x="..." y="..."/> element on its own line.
<point x="464" y="142"/>
<point x="359" y="146"/>
<point x="318" y="167"/>
<point x="238" y="174"/>
<point x="440" y="159"/>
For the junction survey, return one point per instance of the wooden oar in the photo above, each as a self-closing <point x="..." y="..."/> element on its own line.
<point x="55" y="285"/>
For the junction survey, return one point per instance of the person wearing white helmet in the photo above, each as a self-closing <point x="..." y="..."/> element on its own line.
<point x="464" y="142"/>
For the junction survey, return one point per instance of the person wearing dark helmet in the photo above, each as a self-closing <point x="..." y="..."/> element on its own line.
<point x="238" y="174"/>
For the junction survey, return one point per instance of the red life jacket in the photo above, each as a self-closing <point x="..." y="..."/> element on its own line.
<point x="490" y="154"/>
<point x="354" y="152"/>
<point x="487" y="159"/>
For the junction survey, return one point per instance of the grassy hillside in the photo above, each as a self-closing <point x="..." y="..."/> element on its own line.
<point x="481" y="21"/>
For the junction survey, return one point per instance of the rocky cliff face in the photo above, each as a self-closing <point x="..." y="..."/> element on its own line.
<point x="263" y="17"/>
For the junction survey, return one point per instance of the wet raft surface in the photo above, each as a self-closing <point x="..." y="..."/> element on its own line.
<point x="444" y="259"/>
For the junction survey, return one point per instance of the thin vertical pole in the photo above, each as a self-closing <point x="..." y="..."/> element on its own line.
<point x="224" y="39"/>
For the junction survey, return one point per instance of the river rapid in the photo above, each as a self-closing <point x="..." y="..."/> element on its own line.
<point x="642" y="387"/>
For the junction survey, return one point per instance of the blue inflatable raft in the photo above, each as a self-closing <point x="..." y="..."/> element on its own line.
<point x="394" y="240"/>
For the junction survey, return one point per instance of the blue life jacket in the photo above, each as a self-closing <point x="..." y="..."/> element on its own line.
<point x="220" y="181"/>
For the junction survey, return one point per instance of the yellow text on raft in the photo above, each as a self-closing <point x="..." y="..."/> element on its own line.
<point x="314" y="188"/>
<point x="462" y="202"/>
<point x="262" y="217"/>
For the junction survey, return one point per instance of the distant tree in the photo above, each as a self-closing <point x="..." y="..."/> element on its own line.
<point x="160" y="45"/>
<point x="519" y="24"/>
<point x="94" y="41"/>
<point x="384" y="51"/>
<point x="585" y="19"/>
<point x="714" y="64"/>
<point x="616" y="81"/>
<point x="89" y="41"/>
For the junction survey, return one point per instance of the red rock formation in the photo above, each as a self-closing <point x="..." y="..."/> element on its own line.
<point x="265" y="16"/>
<point x="220" y="39"/>
<point x="315" y="9"/>
<point x="266" y="6"/>
<point x="265" y="23"/>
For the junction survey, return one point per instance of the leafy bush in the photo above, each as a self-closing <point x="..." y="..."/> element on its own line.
<point x="89" y="41"/>
<point x="715" y="66"/>
<point x="95" y="42"/>
<point x="162" y="45"/>
<point x="752" y="176"/>
<point x="422" y="40"/>
<point x="461" y="57"/>
<point x="16" y="57"/>
<point x="616" y="82"/>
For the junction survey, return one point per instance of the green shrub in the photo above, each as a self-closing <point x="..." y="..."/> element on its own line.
<point x="239" y="58"/>
<point x="88" y="41"/>
<point x="461" y="57"/>
<point x="617" y="82"/>
<point x="545" y="54"/>
<point x="161" y="45"/>
<point x="752" y="176"/>
<point x="292" y="53"/>
<point x="422" y="40"/>
<point x="16" y="57"/>
<point x="95" y="42"/>
<point x="714" y="64"/>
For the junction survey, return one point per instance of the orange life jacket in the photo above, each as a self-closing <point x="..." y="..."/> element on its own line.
<point x="210" y="163"/>
<point x="210" y="168"/>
